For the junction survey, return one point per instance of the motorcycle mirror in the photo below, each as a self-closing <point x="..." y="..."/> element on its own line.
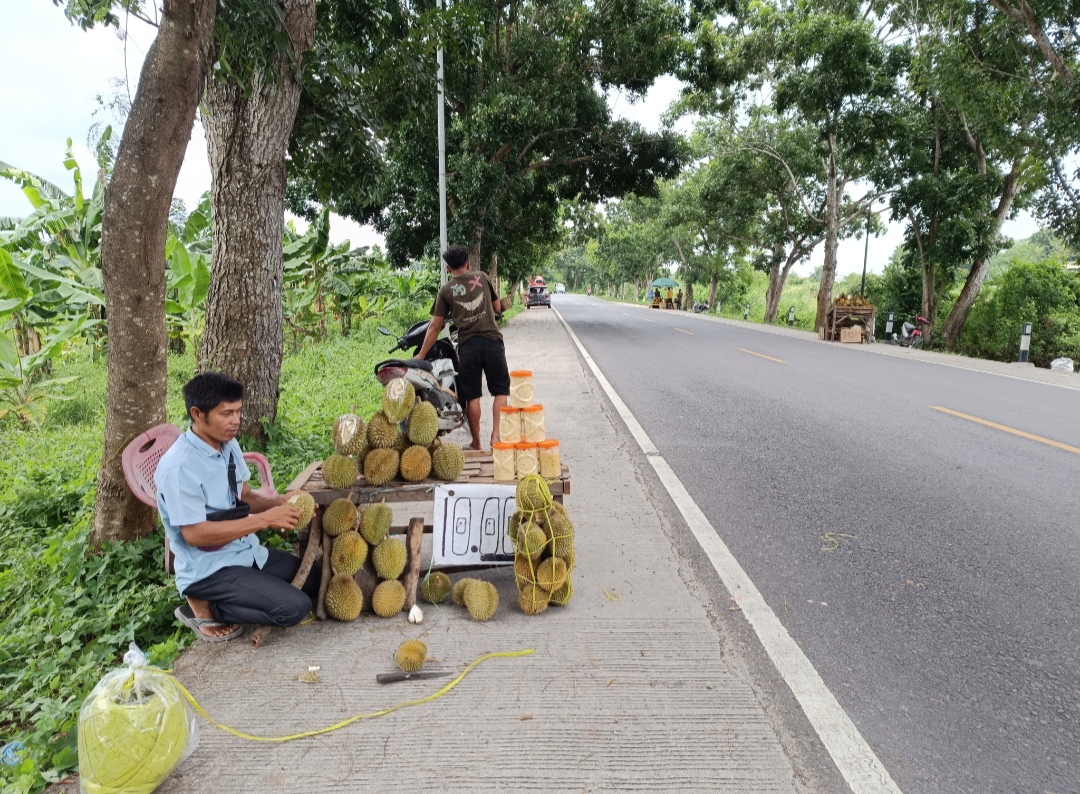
<point x="385" y="331"/>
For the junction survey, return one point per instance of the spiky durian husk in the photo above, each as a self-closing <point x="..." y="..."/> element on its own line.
<point x="380" y="466"/>
<point x="533" y="599"/>
<point x="448" y="461"/>
<point x="457" y="593"/>
<point x="350" y="552"/>
<point x="306" y="503"/>
<point x="532" y="542"/>
<point x="551" y="574"/>
<point x="389" y="558"/>
<point x="340" y="472"/>
<point x="398" y="399"/>
<point x="350" y="434"/>
<point x="423" y="424"/>
<point x="561" y="596"/>
<point x="388" y="598"/>
<point x="481" y="599"/>
<point x="415" y="464"/>
<point x="524" y="570"/>
<point x="344" y="600"/>
<point x="435" y="588"/>
<point x="339" y="517"/>
<point x="381" y="432"/>
<point x="376" y="522"/>
<point x="410" y="655"/>
<point x="533" y="493"/>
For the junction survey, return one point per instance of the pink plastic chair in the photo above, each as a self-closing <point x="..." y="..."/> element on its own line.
<point x="140" y="459"/>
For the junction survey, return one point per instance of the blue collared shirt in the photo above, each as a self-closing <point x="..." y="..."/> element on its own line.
<point x="192" y="479"/>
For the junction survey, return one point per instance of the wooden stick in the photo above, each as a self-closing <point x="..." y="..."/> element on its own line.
<point x="313" y="544"/>
<point x="414" y="538"/>
<point x="320" y="606"/>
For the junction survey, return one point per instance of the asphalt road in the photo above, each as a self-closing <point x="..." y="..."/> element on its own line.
<point x="942" y="611"/>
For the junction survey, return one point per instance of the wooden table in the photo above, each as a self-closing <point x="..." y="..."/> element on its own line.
<point x="837" y="314"/>
<point x="413" y="504"/>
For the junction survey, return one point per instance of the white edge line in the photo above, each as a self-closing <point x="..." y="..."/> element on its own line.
<point x="855" y="759"/>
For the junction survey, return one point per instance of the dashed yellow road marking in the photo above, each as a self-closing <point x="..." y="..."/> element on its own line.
<point x="689" y="333"/>
<point x="762" y="355"/>
<point x="1031" y="437"/>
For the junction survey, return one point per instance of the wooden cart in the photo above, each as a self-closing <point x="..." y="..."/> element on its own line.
<point x="835" y="317"/>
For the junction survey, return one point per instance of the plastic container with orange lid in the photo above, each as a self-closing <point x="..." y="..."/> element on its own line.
<point x="528" y="459"/>
<point x="532" y="424"/>
<point x="510" y="424"/>
<point x="521" y="388"/>
<point x="550" y="465"/>
<point x="505" y="457"/>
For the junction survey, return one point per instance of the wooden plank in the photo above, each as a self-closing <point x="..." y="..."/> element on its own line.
<point x="301" y="479"/>
<point x="414" y="541"/>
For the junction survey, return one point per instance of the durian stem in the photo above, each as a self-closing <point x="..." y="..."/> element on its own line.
<point x="313" y="543"/>
<point x="320" y="607"/>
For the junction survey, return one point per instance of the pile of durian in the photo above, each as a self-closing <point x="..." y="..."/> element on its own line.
<point x="400" y="439"/>
<point x="851" y="301"/>
<point x="353" y="536"/>
<point x="477" y="595"/>
<point x="543" y="539"/>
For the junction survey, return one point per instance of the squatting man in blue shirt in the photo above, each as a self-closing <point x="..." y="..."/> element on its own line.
<point x="211" y="515"/>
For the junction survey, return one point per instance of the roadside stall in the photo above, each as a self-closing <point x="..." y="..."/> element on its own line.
<point x="849" y="319"/>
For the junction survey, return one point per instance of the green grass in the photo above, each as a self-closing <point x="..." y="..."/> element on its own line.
<point x="69" y="616"/>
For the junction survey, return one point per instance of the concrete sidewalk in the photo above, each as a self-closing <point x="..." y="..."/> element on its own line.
<point x="629" y="689"/>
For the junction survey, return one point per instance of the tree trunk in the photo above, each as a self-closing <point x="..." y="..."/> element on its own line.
<point x="954" y="323"/>
<point x="832" y="235"/>
<point x="247" y="135"/>
<point x="493" y="272"/>
<point x="635" y="289"/>
<point x="777" y="279"/>
<point x="712" y="292"/>
<point x="133" y="231"/>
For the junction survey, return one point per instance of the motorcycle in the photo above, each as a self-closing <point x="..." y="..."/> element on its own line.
<point x="434" y="377"/>
<point x="910" y="335"/>
<point x="699" y="307"/>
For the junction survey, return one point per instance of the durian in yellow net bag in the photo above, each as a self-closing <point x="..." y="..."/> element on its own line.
<point x="543" y="538"/>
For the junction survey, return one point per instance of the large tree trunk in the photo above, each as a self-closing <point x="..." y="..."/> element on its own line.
<point x="832" y="235"/>
<point x="246" y="135"/>
<point x="134" y="227"/>
<point x="954" y="323"/>
<point x="493" y="272"/>
<point x="712" y="292"/>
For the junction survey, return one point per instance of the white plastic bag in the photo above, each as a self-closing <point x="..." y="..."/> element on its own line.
<point x="1062" y="365"/>
<point x="134" y="729"/>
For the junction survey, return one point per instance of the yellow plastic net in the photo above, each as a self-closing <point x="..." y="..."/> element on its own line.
<point x="543" y="539"/>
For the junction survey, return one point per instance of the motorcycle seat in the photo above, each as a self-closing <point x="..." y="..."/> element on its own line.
<point x="410" y="363"/>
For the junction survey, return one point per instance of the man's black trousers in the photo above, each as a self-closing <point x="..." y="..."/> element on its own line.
<point x="259" y="597"/>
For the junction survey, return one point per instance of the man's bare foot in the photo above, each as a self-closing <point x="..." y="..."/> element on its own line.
<point x="201" y="609"/>
<point x="474" y="446"/>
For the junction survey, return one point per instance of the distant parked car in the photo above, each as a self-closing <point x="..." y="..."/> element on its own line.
<point x="560" y="288"/>
<point x="538" y="296"/>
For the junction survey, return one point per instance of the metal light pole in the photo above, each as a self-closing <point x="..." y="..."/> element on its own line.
<point x="866" y="253"/>
<point x="442" y="162"/>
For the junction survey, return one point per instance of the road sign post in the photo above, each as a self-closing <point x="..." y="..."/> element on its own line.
<point x="888" y="327"/>
<point x="791" y="316"/>
<point x="746" y="312"/>
<point x="1025" y="343"/>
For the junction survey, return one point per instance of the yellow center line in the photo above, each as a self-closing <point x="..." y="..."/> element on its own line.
<point x="1004" y="428"/>
<point x="689" y="333"/>
<point x="762" y="355"/>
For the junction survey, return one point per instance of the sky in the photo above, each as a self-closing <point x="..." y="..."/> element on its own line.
<point x="53" y="74"/>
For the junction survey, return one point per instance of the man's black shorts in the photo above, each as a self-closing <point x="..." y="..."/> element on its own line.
<point x="477" y="355"/>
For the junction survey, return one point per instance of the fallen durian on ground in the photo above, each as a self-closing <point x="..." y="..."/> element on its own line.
<point x="481" y="599"/>
<point x="306" y="503"/>
<point x="344" y="601"/>
<point x="389" y="558"/>
<point x="415" y="463"/>
<point x="380" y="466"/>
<point x="381" y="432"/>
<point x="350" y="434"/>
<point x="398" y="399"/>
<point x="375" y="523"/>
<point x="423" y="424"/>
<point x="339" y="517"/>
<point x="388" y="598"/>
<point x="350" y="552"/>
<point x="457" y="593"/>
<point x="410" y="655"/>
<point x="448" y="461"/>
<point x="435" y="588"/>
<point x="339" y="471"/>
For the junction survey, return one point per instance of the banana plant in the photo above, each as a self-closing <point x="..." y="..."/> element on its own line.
<point x="186" y="286"/>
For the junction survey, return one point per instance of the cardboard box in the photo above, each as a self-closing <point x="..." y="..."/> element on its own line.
<point x="853" y="334"/>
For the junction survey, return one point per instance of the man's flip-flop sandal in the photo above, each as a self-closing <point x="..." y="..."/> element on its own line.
<point x="187" y="617"/>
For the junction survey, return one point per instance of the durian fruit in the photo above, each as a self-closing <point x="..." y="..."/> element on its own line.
<point x="380" y="466"/>
<point x="350" y="552"/>
<point x="448" y="461"/>
<point x="350" y="434"/>
<point x="561" y="533"/>
<point x="435" y="588"/>
<point x="381" y="432"/>
<point x="389" y="558"/>
<point x="339" y="517"/>
<point x="375" y="523"/>
<point x="551" y="574"/>
<point x="524" y="570"/>
<point x="344" y="600"/>
<point x="533" y="493"/>
<point x="388" y="598"/>
<point x="562" y="595"/>
<point x="339" y="471"/>
<point x="398" y="399"/>
<point x="423" y="424"/>
<point x="533" y="599"/>
<point x="415" y="463"/>
<point x="517" y="519"/>
<point x="532" y="542"/>
<point x="410" y="655"/>
<point x="306" y="503"/>
<point x="569" y="559"/>
<point x="457" y="593"/>
<point x="481" y="599"/>
<point x="401" y="444"/>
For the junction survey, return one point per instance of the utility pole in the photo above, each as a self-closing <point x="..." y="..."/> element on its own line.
<point x="442" y="161"/>
<point x="866" y="251"/>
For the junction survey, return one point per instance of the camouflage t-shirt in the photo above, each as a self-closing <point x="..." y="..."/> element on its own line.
<point x="468" y="301"/>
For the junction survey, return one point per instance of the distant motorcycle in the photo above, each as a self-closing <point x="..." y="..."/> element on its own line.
<point x="910" y="335"/>
<point x="434" y="378"/>
<point x="700" y="307"/>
